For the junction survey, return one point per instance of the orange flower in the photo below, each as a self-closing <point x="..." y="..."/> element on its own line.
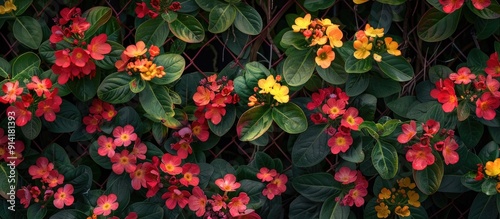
<point x="325" y="56"/>
<point x="302" y="23"/>
<point x="392" y="46"/>
<point x="98" y="47"/>
<point x="362" y="48"/>
<point x="334" y="35"/>
<point x="374" y="32"/>
<point x="136" y="50"/>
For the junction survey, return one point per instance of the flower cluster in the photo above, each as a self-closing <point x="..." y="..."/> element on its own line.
<point x="492" y="171"/>
<point x="330" y="105"/>
<point x="449" y="6"/>
<point x="212" y="96"/>
<point x="134" y="60"/>
<point x="319" y="32"/>
<point x="397" y="200"/>
<point x="276" y="182"/>
<point x="354" y="187"/>
<point x="365" y="40"/>
<point x="158" y="6"/>
<point x="268" y="88"/>
<point x="99" y="112"/>
<point x="50" y="179"/>
<point x="420" y="153"/>
<point x="184" y="136"/>
<point x="11" y="149"/>
<point x="468" y="88"/>
<point x="7" y="7"/>
<point x="78" y="60"/>
<point x="41" y="98"/>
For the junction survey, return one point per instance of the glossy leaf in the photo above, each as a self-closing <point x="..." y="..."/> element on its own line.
<point x="470" y="132"/>
<point x="315" y="5"/>
<point x="103" y="161"/>
<point x="436" y="26"/>
<point x="429" y="179"/>
<point x="392" y="2"/>
<point x="85" y="88"/>
<point x="67" y="120"/>
<point x="483" y="207"/>
<point x="96" y="16"/>
<point x="488" y="187"/>
<point x="221" y="18"/>
<point x="247" y="20"/>
<point x="490" y="12"/>
<point x="356" y="84"/>
<point x="137" y="85"/>
<point x="22" y="6"/>
<point x="187" y="28"/>
<point x="385" y="159"/>
<point x="80" y="178"/>
<point x="463" y="111"/>
<point x="28" y="31"/>
<point x="32" y="129"/>
<point x="36" y="211"/>
<point x="335" y="74"/>
<point x="354" y="65"/>
<point x="120" y="186"/>
<point x="254" y="71"/>
<point x="156" y="101"/>
<point x="301" y="208"/>
<point x="316" y="187"/>
<point x="296" y="40"/>
<point x="115" y="88"/>
<point x="382" y="87"/>
<point x="254" y="122"/>
<point x="69" y="214"/>
<point x="226" y="123"/>
<point x="24" y="65"/>
<point x="207" y="5"/>
<point x="110" y="59"/>
<point x="401" y="105"/>
<point x="290" y="118"/>
<point x="169" y="17"/>
<point x="437" y="72"/>
<point x="173" y="66"/>
<point x="489" y="152"/>
<point x="311" y="146"/>
<point x="298" y="67"/>
<point x="4" y="68"/>
<point x="380" y="16"/>
<point x="146" y="210"/>
<point x="332" y="209"/>
<point x="396" y="67"/>
<point x="152" y="32"/>
<point x="355" y="153"/>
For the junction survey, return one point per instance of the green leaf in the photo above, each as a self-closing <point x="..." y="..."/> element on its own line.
<point x="437" y="72"/>
<point x="470" y="132"/>
<point x="103" y="161"/>
<point x="96" y="16"/>
<point x="37" y="211"/>
<point x="380" y="16"/>
<point x="290" y="118"/>
<point x="254" y="71"/>
<point x="146" y="210"/>
<point x="69" y="214"/>
<point x="80" y="178"/>
<point x="169" y="17"/>
<point x="489" y="186"/>
<point x="429" y="179"/>
<point x="396" y="67"/>
<point x="452" y="184"/>
<point x="436" y="26"/>
<point x="383" y="87"/>
<point x="32" y="129"/>
<point x="186" y="88"/>
<point x="301" y="208"/>
<point x="115" y="88"/>
<point x="173" y="66"/>
<point x="85" y="88"/>
<point x="332" y="209"/>
<point x="356" y="84"/>
<point x="23" y="65"/>
<point x="260" y="160"/>
<point x="220" y="169"/>
<point x="486" y="27"/>
<point x="226" y="123"/>
<point x="355" y="152"/>
<point x="247" y="20"/>
<point x="490" y="12"/>
<point x="58" y="156"/>
<point x="6" y="182"/>
<point x="483" y="207"/>
<point x="354" y="65"/>
<point x="187" y="28"/>
<point x="152" y="32"/>
<point x="400" y="106"/>
<point x="311" y="146"/>
<point x="28" y="31"/>
<point x="316" y="5"/>
<point x="254" y="122"/>
<point x="221" y="17"/>
<point x="207" y="5"/>
<point x="254" y="192"/>
<point x="22" y="6"/>
<point x="489" y="152"/>
<point x="385" y="159"/>
<point x="316" y="186"/>
<point x="298" y="67"/>
<point x="335" y="74"/>
<point x="463" y="111"/>
<point x="4" y="68"/>
<point x="67" y="120"/>
<point x="296" y="40"/>
<point x="120" y="186"/>
<point x="156" y="101"/>
<point x="371" y="128"/>
<point x="110" y="59"/>
<point x="137" y="85"/>
<point x="392" y="2"/>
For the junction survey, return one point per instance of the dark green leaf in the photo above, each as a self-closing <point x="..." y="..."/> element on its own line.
<point x="96" y="16"/>
<point x="385" y="159"/>
<point x="356" y="84"/>
<point x="152" y="32"/>
<point x="69" y="214"/>
<point x="115" y="88"/>
<point x="32" y="129"/>
<point x="400" y="106"/>
<point x="37" y="211"/>
<point x="315" y="5"/>
<point x="489" y="152"/>
<point x="173" y="66"/>
<point x="298" y="67"/>
<point x="490" y="12"/>
<point x="335" y="74"/>
<point x="23" y="66"/>
<point x="254" y="122"/>
<point x="354" y="65"/>
<point x="290" y="118"/>
<point x="146" y="210"/>
<point x="4" y="68"/>
<point x="316" y="186"/>
<point x="470" y="132"/>
<point x="247" y="20"/>
<point x="332" y="209"/>
<point x="436" y="26"/>
<point x="85" y="88"/>
<point x="28" y="31"/>
<point x="103" y="161"/>
<point x="396" y="67"/>
<point x="311" y="146"/>
<point x="221" y="17"/>
<point x="187" y="28"/>
<point x="226" y="123"/>
<point x="67" y="120"/>
<point x="483" y="207"/>
<point x="301" y="208"/>
<point x="429" y="179"/>
<point x="380" y="16"/>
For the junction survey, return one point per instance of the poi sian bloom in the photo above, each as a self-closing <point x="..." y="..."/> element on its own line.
<point x="106" y="204"/>
<point x="324" y="56"/>
<point x="64" y="196"/>
<point x="228" y="183"/>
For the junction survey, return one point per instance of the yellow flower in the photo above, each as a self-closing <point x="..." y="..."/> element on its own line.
<point x="2" y="9"/>
<point x="392" y="46"/>
<point x="372" y="32"/>
<point x="359" y="1"/>
<point x="362" y="48"/>
<point x="406" y="182"/>
<point x="301" y="23"/>
<point x="377" y="57"/>
<point x="492" y="168"/>
<point x="335" y="35"/>
<point x="413" y="198"/>
<point x="280" y="93"/>
<point x="384" y="194"/>
<point x="402" y="211"/>
<point x="382" y="210"/>
<point x="266" y="84"/>
<point x="9" y="6"/>
<point x="325" y="22"/>
<point x="325" y="56"/>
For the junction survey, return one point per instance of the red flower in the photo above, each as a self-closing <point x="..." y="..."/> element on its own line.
<point x="41" y="169"/>
<point x="228" y="183"/>
<point x="12" y="91"/>
<point x="183" y="148"/>
<point x="123" y="162"/>
<point x="67" y="14"/>
<point x="154" y="51"/>
<point x="200" y="130"/>
<point x="48" y="108"/>
<point x="175" y="197"/>
<point x="175" y="6"/>
<point x="463" y="76"/>
<point x="141" y="9"/>
<point x="139" y="176"/>
<point x="449" y="151"/>
<point x="333" y="108"/>
<point x="409" y="131"/>
<point x="450" y="6"/>
<point x="57" y="34"/>
<point x="486" y="106"/>
<point x="481" y="4"/>
<point x="276" y="186"/>
<point x="39" y="86"/>
<point x="266" y="175"/>
<point x="22" y="115"/>
<point x="317" y="99"/>
<point x="54" y="179"/>
<point x="92" y="123"/>
<point x="431" y="127"/>
<point x="203" y="96"/>
<point x="124" y="135"/>
<point x="445" y="93"/>
<point x="317" y="118"/>
<point x="106" y="204"/>
<point x="64" y="196"/>
<point x="493" y="85"/>
<point x="340" y="143"/>
<point x="106" y="146"/>
<point x="98" y="47"/>
<point x="170" y="164"/>
<point x="345" y="175"/>
<point x="79" y="57"/>
<point x="79" y="26"/>
<point x="108" y="112"/>
<point x="420" y="156"/>
<point x="190" y="175"/>
<point x="351" y="119"/>
<point x="215" y="113"/>
<point x="198" y="201"/>
<point x="493" y="65"/>
<point x="24" y="196"/>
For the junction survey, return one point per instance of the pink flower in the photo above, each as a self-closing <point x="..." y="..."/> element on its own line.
<point x="106" y="204"/>
<point x="266" y="175"/>
<point x="39" y="86"/>
<point x="48" y="109"/>
<point x="493" y="85"/>
<point x="345" y="175"/>
<point x="108" y="111"/>
<point x="139" y="150"/>
<point x="62" y="58"/>
<point x="351" y="119"/>
<point x="450" y="6"/>
<point x="124" y="136"/>
<point x="123" y="162"/>
<point x="445" y="94"/>
<point x="183" y="147"/>
<point x="98" y="47"/>
<point x="12" y="91"/>
<point x="431" y="127"/>
<point x="463" y="76"/>
<point x="355" y="196"/>
<point x="420" y="156"/>
<point x="238" y="204"/>
<point x="340" y="142"/>
<point x="176" y="197"/>
<point x="190" y="175"/>
<point x="41" y="169"/>
<point x="203" y="96"/>
<point x="64" y="196"/>
<point x="54" y="179"/>
<point x="170" y="164"/>
<point x="333" y="108"/>
<point x="449" y="151"/>
<point x="409" y="131"/>
<point x="198" y="201"/>
<point x="481" y="4"/>
<point x="22" y="115"/>
<point x="24" y="196"/>
<point x="92" y="123"/>
<point x="200" y="130"/>
<point x="106" y="146"/>
<point x="276" y="186"/>
<point x="79" y="57"/>
<point x="493" y="65"/>
<point x="228" y="183"/>
<point x="486" y="106"/>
